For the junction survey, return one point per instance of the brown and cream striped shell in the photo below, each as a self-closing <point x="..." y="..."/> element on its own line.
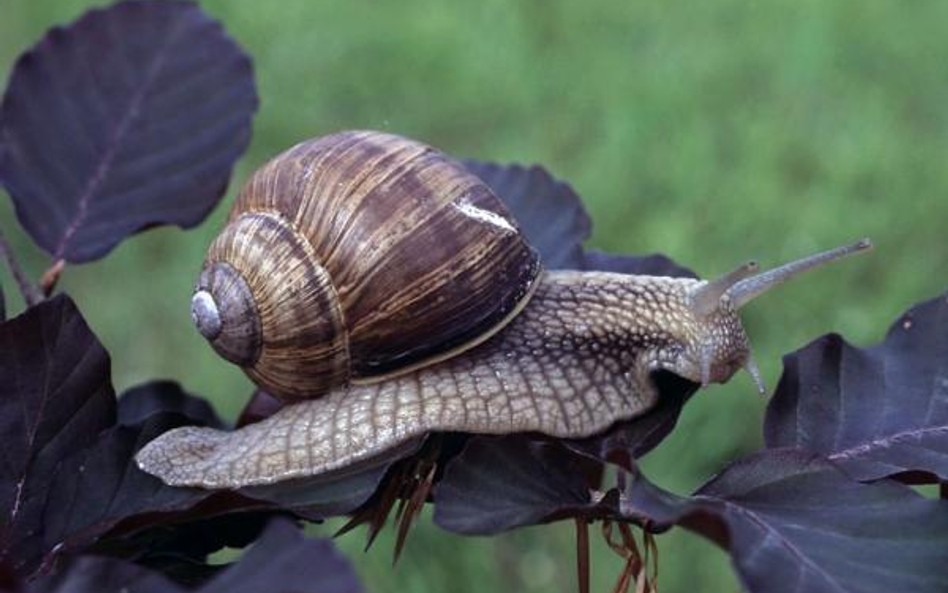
<point x="356" y="256"/>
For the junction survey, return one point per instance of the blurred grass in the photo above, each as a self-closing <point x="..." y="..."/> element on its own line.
<point x="712" y="132"/>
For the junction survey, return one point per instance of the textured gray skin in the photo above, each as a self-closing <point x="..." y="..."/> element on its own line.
<point x="576" y="360"/>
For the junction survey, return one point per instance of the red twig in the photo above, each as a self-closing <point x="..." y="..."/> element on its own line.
<point x="51" y="277"/>
<point x="582" y="554"/>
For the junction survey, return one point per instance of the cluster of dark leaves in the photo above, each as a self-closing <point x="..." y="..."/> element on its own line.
<point x="98" y="141"/>
<point x="130" y="117"/>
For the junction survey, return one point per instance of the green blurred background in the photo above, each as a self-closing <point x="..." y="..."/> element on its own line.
<point x="712" y="132"/>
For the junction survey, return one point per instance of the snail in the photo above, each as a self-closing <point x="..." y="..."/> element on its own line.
<point x="386" y="292"/>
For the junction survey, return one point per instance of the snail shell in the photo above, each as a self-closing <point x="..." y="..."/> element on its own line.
<point x="357" y="256"/>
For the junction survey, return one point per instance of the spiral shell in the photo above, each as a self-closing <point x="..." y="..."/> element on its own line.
<point x="357" y="256"/>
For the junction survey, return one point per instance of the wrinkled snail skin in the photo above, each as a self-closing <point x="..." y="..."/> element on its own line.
<point x="575" y="360"/>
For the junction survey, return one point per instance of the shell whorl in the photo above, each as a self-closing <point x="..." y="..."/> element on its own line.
<point x="366" y="255"/>
<point x="280" y="317"/>
<point x="223" y="311"/>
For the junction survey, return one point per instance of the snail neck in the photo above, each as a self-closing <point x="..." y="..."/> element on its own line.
<point x="653" y="317"/>
<point x="643" y="311"/>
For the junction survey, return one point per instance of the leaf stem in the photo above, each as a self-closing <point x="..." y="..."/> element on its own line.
<point x="30" y="293"/>
<point x="51" y="276"/>
<point x="582" y="554"/>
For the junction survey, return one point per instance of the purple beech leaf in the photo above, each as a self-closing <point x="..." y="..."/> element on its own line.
<point x="130" y="117"/>
<point x="629" y="440"/>
<point x="99" y="487"/>
<point x="180" y="551"/>
<point x="68" y="477"/>
<point x="55" y="397"/>
<point x="648" y="265"/>
<point x="95" y="574"/>
<point x="548" y="211"/>
<point x="282" y="560"/>
<point x="878" y="411"/>
<point x="101" y="499"/>
<point x="795" y="523"/>
<point x="261" y="406"/>
<point x="9" y="581"/>
<point x="553" y="218"/>
<point x="498" y="483"/>
<point x="138" y="403"/>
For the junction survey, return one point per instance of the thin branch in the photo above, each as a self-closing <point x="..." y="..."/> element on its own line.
<point x="582" y="554"/>
<point x="50" y="277"/>
<point x="31" y="294"/>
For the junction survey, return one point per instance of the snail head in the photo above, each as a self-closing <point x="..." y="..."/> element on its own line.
<point x="716" y="346"/>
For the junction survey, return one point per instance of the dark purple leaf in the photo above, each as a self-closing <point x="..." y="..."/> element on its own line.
<point x="142" y="401"/>
<point x="68" y="476"/>
<point x="649" y="265"/>
<point x="9" y="581"/>
<point x="552" y="216"/>
<point x="795" y="523"/>
<point x="498" y="483"/>
<point x="99" y="497"/>
<point x="548" y="211"/>
<point x="261" y="406"/>
<point x="100" y="500"/>
<point x="180" y="551"/>
<point x="632" y="439"/>
<point x="130" y="117"/>
<point x="877" y="411"/>
<point x="99" y="487"/>
<point x="281" y="561"/>
<point x="55" y="397"/>
<point x="92" y="574"/>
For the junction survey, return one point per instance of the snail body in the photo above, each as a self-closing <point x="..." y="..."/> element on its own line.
<point x="578" y="358"/>
<point x="564" y="353"/>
